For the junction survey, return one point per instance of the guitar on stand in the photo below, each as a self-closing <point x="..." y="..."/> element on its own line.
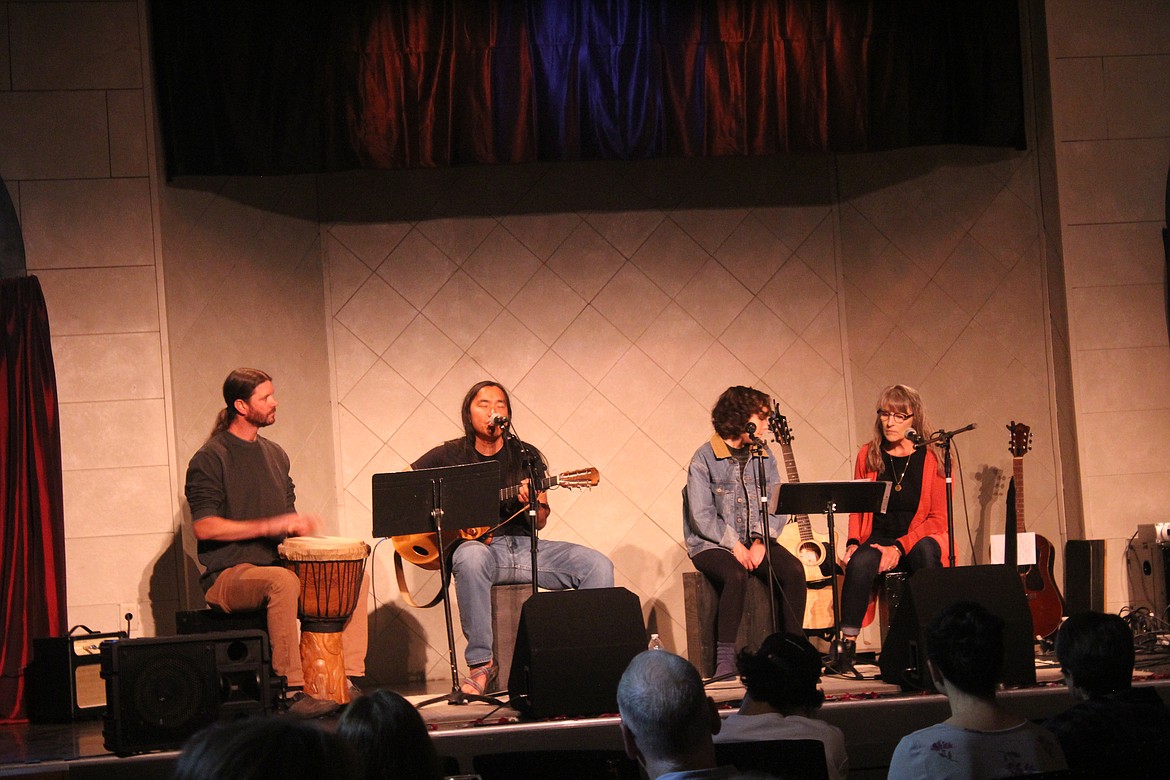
<point x="798" y="537"/>
<point x="1044" y="599"/>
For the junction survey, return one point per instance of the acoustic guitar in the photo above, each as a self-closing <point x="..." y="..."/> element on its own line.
<point x="423" y="549"/>
<point x="809" y="547"/>
<point x="1044" y="599"/>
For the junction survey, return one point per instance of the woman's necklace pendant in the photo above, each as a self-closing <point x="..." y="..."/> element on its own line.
<point x="897" y="488"/>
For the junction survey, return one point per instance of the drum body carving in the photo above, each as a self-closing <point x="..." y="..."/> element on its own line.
<point x="330" y="569"/>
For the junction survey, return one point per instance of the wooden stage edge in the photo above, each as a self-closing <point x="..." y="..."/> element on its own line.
<point x="873" y="715"/>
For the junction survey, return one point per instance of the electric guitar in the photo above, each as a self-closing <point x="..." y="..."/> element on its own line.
<point x="1044" y="598"/>
<point x="809" y="547"/>
<point x="423" y="549"/>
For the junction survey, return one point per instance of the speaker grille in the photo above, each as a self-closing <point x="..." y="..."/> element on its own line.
<point x="162" y="690"/>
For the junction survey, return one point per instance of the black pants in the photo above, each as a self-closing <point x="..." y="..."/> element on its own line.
<point x="730" y="579"/>
<point x="863" y="570"/>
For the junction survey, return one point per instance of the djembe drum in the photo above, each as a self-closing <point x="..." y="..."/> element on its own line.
<point x="330" y="570"/>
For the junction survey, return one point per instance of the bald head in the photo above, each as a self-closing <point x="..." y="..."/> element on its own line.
<point x="663" y="704"/>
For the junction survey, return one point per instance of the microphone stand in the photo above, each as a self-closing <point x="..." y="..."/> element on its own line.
<point x="529" y="461"/>
<point x="942" y="439"/>
<point x="762" y="488"/>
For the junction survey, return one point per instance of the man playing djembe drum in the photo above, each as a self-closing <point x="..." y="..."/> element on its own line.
<point x="242" y="506"/>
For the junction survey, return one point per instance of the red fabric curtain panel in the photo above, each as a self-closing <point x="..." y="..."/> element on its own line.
<point x="32" y="533"/>
<point x="253" y="88"/>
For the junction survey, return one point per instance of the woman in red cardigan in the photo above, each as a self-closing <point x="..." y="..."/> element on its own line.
<point x="912" y="533"/>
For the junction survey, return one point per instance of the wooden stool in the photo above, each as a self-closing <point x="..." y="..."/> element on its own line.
<point x="507" y="601"/>
<point x="701" y="603"/>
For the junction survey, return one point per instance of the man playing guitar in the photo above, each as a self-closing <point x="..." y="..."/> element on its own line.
<point x="505" y="556"/>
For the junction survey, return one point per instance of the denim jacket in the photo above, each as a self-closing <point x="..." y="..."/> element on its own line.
<point x="720" y="509"/>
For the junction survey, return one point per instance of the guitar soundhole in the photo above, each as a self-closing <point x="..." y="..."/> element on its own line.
<point x="810" y="554"/>
<point x="422" y="552"/>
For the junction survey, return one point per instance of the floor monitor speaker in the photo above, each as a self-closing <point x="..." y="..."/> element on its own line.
<point x="161" y="690"/>
<point x="930" y="591"/>
<point x="571" y="649"/>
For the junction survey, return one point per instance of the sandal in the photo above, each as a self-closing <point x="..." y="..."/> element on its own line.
<point x="479" y="680"/>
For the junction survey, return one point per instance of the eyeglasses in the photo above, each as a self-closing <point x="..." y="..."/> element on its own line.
<point x="895" y="416"/>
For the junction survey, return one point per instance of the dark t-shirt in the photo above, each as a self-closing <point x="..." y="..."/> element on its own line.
<point x="458" y="452"/>
<point x="238" y="480"/>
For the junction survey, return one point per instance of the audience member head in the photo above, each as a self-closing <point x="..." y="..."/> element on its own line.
<point x="389" y="737"/>
<point x="964" y="642"/>
<point x="667" y="717"/>
<point x="735" y="407"/>
<point x="783" y="673"/>
<point x="262" y="748"/>
<point x="1096" y="653"/>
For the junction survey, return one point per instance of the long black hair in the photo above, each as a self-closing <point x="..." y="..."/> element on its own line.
<point x="511" y="461"/>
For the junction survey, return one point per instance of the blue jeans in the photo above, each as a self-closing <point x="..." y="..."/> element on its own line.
<point x="508" y="561"/>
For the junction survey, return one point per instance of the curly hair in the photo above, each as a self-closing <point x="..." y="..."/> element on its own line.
<point x="965" y="642"/>
<point x="735" y="406"/>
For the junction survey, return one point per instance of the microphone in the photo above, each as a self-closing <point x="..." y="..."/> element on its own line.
<point x="915" y="437"/>
<point x="750" y="429"/>
<point x="498" y="421"/>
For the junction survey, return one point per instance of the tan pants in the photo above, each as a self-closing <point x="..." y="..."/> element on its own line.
<point x="276" y="589"/>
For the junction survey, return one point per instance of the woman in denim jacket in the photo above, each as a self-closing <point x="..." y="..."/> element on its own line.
<point x="723" y="525"/>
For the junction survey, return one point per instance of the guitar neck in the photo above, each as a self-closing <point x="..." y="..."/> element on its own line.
<point x="1018" y="477"/>
<point x="802" y="521"/>
<point x="514" y="490"/>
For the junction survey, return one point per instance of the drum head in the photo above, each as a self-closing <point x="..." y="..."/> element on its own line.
<point x="323" y="548"/>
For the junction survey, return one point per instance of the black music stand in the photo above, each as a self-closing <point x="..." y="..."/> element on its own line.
<point x="439" y="501"/>
<point x="827" y="498"/>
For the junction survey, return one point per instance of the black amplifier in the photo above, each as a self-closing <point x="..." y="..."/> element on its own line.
<point x="63" y="682"/>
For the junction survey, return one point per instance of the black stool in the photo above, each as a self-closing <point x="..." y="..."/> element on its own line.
<point x="214" y="621"/>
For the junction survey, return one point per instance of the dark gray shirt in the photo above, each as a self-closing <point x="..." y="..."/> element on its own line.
<point x="238" y="480"/>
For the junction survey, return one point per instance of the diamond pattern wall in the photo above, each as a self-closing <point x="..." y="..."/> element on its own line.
<point x="617" y="301"/>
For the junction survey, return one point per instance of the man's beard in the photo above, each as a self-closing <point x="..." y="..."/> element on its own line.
<point x="258" y="419"/>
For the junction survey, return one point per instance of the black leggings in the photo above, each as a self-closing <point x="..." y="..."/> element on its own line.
<point x="863" y="570"/>
<point x="730" y="580"/>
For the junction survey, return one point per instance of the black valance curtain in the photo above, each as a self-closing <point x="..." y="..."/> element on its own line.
<point x="253" y="88"/>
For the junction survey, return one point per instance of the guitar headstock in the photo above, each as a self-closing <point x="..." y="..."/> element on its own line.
<point x="579" y="478"/>
<point x="1020" y="440"/>
<point x="778" y="423"/>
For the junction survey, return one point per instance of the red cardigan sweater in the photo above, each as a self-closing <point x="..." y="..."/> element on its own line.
<point x="929" y="520"/>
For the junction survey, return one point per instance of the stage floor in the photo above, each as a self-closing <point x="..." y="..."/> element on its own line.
<point x="874" y="716"/>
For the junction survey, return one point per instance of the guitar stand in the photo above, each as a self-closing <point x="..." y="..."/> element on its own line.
<point x="827" y="498"/>
<point x="439" y="501"/>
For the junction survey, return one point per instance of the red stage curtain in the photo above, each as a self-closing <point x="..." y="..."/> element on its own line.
<point x="253" y="88"/>
<point x="32" y="536"/>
